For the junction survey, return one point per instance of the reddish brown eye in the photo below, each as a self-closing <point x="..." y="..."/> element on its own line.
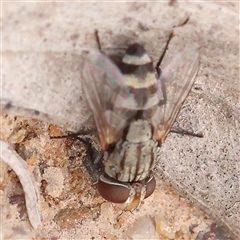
<point x="112" y="192"/>
<point x="119" y="192"/>
<point x="150" y="187"/>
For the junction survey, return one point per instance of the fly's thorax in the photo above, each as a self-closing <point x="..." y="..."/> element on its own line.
<point x="139" y="131"/>
<point x="133" y="159"/>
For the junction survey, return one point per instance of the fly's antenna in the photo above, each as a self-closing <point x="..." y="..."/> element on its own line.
<point x="187" y="133"/>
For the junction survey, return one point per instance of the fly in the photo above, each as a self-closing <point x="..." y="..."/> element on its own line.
<point x="134" y="105"/>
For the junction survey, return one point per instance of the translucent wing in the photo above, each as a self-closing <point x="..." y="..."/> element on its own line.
<point x="102" y="83"/>
<point x="177" y="79"/>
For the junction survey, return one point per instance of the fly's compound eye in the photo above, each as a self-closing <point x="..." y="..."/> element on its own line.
<point x="119" y="192"/>
<point x="113" y="191"/>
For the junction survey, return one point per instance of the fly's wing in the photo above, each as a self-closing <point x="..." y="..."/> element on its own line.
<point x="44" y="85"/>
<point x="177" y="79"/>
<point x="102" y="83"/>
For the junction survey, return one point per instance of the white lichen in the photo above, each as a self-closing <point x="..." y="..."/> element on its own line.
<point x="20" y="167"/>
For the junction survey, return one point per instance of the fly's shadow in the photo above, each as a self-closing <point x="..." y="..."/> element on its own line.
<point x="93" y="161"/>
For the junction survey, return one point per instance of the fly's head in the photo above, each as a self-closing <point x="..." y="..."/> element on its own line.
<point x="128" y="194"/>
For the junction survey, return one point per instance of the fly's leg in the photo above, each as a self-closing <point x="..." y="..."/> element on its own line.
<point x="98" y="40"/>
<point x="158" y="69"/>
<point x="184" y="132"/>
